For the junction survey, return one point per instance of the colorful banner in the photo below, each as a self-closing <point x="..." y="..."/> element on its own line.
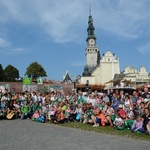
<point x="4" y="87"/>
<point x="27" y="81"/>
<point x="56" y="88"/>
<point x="39" y="80"/>
<point x="30" y="88"/>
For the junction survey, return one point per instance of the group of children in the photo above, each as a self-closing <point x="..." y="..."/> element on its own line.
<point x="113" y="108"/>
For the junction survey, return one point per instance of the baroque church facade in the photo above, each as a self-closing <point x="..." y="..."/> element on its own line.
<point x="98" y="69"/>
<point x="134" y="75"/>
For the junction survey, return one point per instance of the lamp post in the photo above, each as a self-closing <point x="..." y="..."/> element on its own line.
<point x="87" y="85"/>
<point x="76" y="78"/>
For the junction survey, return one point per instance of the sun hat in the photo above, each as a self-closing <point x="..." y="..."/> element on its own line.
<point x="120" y="106"/>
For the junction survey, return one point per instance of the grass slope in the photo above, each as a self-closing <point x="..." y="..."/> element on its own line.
<point x="105" y="130"/>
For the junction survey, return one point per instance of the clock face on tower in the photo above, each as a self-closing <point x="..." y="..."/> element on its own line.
<point x="92" y="42"/>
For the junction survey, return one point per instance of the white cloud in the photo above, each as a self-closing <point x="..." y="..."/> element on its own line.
<point x="15" y="51"/>
<point x="4" y="43"/>
<point x="145" y="49"/>
<point x="18" y="50"/>
<point x="65" y="20"/>
<point x="125" y="18"/>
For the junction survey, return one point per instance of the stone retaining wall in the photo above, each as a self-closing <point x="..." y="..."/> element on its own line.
<point x="19" y="86"/>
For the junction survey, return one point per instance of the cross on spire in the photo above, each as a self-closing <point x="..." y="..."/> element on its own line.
<point x="90" y="10"/>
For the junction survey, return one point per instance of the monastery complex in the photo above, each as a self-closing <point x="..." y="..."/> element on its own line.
<point x="105" y="70"/>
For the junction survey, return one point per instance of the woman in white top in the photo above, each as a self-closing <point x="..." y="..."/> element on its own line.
<point x="128" y="101"/>
<point x="92" y="100"/>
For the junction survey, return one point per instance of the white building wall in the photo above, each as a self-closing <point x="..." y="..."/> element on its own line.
<point x="90" y="79"/>
<point x="97" y="74"/>
<point x="109" y="66"/>
<point x="91" y="59"/>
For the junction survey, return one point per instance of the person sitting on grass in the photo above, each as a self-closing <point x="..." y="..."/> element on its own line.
<point x="109" y="114"/>
<point x="4" y="108"/>
<point x="121" y="112"/>
<point x="25" y="110"/>
<point x="129" y="117"/>
<point x="1" y="114"/>
<point x="146" y="117"/>
<point x="35" y="115"/>
<point x="50" y="113"/>
<point x="137" y="126"/>
<point x="41" y="117"/>
<point x="79" y="112"/>
<point x="148" y="127"/>
<point x="67" y="112"/>
<point x="86" y="117"/>
<point x="59" y="116"/>
<point x="118" y="123"/>
<point x="98" y="118"/>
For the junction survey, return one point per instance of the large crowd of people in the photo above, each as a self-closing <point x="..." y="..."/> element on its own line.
<point x="112" y="108"/>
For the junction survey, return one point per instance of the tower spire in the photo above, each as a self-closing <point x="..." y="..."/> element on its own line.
<point x="90" y="28"/>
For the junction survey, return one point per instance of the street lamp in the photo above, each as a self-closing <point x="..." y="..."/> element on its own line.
<point x="75" y="82"/>
<point x="87" y="85"/>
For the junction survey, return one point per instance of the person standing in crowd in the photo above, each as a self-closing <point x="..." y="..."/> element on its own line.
<point x="81" y="97"/>
<point x="6" y="99"/>
<point x="145" y="92"/>
<point x="105" y="97"/>
<point x="110" y="94"/>
<point x="134" y="97"/>
<point x="12" y="92"/>
<point x="34" y="97"/>
<point x="115" y="102"/>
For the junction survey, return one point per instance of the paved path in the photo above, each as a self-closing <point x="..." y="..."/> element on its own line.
<point x="28" y="135"/>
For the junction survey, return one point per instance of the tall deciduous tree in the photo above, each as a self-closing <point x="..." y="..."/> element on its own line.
<point x="35" y="70"/>
<point x="10" y="73"/>
<point x="1" y="73"/>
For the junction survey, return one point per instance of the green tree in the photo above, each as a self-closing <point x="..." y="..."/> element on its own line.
<point x="1" y="73"/>
<point x="10" y="73"/>
<point x="35" y="70"/>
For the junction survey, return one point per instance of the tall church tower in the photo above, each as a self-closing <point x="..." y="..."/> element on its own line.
<point x="92" y="52"/>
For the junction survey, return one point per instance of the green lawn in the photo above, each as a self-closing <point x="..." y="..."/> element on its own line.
<point x="105" y="130"/>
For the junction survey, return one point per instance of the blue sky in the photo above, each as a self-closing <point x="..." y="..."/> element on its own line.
<point x="53" y="33"/>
